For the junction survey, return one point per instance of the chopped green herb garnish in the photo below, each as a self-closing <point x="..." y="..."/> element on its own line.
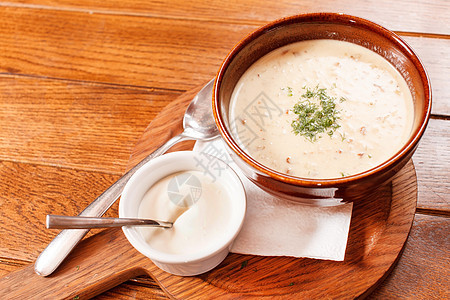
<point x="316" y="113"/>
<point x="76" y="297"/>
<point x="289" y="91"/>
<point x="291" y="284"/>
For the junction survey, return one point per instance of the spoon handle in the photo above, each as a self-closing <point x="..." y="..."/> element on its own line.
<point x="67" y="222"/>
<point x="58" y="249"/>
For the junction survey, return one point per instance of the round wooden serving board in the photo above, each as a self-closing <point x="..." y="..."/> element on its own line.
<point x="379" y="228"/>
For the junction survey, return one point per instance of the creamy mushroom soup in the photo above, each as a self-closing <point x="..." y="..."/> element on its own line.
<point x="321" y="109"/>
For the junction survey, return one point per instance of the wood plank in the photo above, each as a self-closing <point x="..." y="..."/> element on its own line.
<point x="139" y="288"/>
<point x="396" y="15"/>
<point x="71" y="124"/>
<point x="163" y="53"/>
<point x="127" y="50"/>
<point x="48" y="155"/>
<point x="8" y="266"/>
<point x="435" y="58"/>
<point x="40" y="190"/>
<point x="432" y="162"/>
<point x="423" y="269"/>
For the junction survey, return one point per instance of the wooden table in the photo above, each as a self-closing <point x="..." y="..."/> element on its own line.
<point x="81" y="80"/>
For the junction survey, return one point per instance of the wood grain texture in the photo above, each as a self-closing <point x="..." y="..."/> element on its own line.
<point x="96" y="265"/>
<point x="40" y="190"/>
<point x="61" y="186"/>
<point x="152" y="52"/>
<point x="432" y="161"/>
<point x="397" y="15"/>
<point x="133" y="290"/>
<point x="433" y="52"/>
<point x="73" y="124"/>
<point x="378" y="230"/>
<point x="125" y="50"/>
<point x="81" y="80"/>
<point x="8" y="266"/>
<point x="141" y="287"/>
<point x="423" y="269"/>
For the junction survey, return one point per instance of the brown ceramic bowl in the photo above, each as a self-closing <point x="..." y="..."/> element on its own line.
<point x="322" y="26"/>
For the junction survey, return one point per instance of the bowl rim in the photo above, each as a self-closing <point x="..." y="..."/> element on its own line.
<point x="323" y="17"/>
<point x="134" y="236"/>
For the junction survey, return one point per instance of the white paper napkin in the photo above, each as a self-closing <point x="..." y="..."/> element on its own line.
<point x="278" y="227"/>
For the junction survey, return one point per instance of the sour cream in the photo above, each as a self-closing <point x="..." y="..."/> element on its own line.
<point x="199" y="206"/>
<point x="375" y="114"/>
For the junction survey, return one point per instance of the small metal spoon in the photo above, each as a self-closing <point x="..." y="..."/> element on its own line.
<point x="68" y="222"/>
<point x="198" y="124"/>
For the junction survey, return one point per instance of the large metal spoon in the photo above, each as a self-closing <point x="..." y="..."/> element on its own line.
<point x="198" y="124"/>
<point x="69" y="222"/>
